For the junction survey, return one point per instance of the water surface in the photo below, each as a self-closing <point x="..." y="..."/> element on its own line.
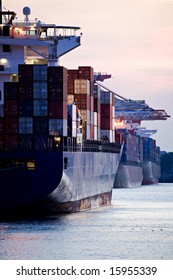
<point x="138" y="225"/>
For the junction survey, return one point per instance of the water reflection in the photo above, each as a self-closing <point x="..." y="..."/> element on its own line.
<point x="138" y="225"/>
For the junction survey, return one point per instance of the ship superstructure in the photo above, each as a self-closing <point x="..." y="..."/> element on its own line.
<point x="31" y="42"/>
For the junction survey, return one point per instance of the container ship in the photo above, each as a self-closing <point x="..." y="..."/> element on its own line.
<point x="151" y="167"/>
<point x="57" y="138"/>
<point x="140" y="161"/>
<point x="130" y="173"/>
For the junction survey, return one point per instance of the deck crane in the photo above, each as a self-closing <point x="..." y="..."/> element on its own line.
<point x="134" y="111"/>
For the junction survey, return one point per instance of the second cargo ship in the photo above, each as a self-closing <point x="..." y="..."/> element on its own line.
<point x="140" y="161"/>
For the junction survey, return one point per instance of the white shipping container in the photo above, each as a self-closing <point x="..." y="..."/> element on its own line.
<point x="88" y="132"/>
<point x="92" y="118"/>
<point x="58" y="127"/>
<point x="95" y="133"/>
<point x="74" y="129"/>
<point x="113" y="136"/>
<point x="113" y="124"/>
<point x="95" y="118"/>
<point x="79" y="138"/>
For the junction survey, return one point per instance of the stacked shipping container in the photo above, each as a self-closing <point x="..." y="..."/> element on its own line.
<point x="107" y="116"/>
<point x="80" y="92"/>
<point x="57" y="101"/>
<point x="10" y="124"/>
<point x="97" y="108"/>
<point x="150" y="150"/>
<point x="35" y="108"/>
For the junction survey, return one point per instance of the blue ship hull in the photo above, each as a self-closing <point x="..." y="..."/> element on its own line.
<point x="28" y="177"/>
<point x="58" y="181"/>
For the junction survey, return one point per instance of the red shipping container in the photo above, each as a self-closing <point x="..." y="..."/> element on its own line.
<point x="106" y="123"/>
<point x="1" y="126"/>
<point x="82" y="101"/>
<point x="92" y="88"/>
<point x="72" y="74"/>
<point x="25" y="90"/>
<point x="11" y="125"/>
<point x="25" y="72"/>
<point x="86" y="72"/>
<point x="57" y="74"/>
<point x="11" y="108"/>
<point x="92" y="104"/>
<point x="57" y="91"/>
<point x="10" y="90"/>
<point x="106" y="110"/>
<point x="1" y="142"/>
<point x="70" y="86"/>
<point x="91" y="132"/>
<point x="119" y="138"/>
<point x="57" y="110"/>
<point x="98" y="120"/>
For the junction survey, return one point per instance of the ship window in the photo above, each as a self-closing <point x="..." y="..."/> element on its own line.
<point x="6" y="30"/>
<point x="31" y="165"/>
<point x="65" y="162"/>
<point x="17" y="164"/>
<point x="2" y="68"/>
<point x="14" y="78"/>
<point x="6" y="48"/>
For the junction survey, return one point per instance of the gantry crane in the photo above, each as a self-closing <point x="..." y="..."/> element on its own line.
<point x="134" y="111"/>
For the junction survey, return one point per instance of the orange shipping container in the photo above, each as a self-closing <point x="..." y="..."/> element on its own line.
<point x="82" y="86"/>
<point x="82" y="101"/>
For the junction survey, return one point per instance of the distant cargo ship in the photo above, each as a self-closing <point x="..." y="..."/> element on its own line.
<point x="140" y="162"/>
<point x="57" y="138"/>
<point x="151" y="162"/>
<point x="129" y="172"/>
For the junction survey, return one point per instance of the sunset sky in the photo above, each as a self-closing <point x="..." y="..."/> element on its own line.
<point x="132" y="40"/>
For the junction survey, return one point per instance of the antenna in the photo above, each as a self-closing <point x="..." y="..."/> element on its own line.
<point x="26" y="12"/>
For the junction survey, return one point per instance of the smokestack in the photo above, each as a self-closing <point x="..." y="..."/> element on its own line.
<point x="0" y="12"/>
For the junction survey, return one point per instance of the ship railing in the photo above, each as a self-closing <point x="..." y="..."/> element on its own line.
<point x="97" y="146"/>
<point x="94" y="146"/>
<point x="20" y="36"/>
<point x="36" y="37"/>
<point x="132" y="163"/>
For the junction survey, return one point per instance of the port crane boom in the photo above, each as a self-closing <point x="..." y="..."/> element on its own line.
<point x="134" y="111"/>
